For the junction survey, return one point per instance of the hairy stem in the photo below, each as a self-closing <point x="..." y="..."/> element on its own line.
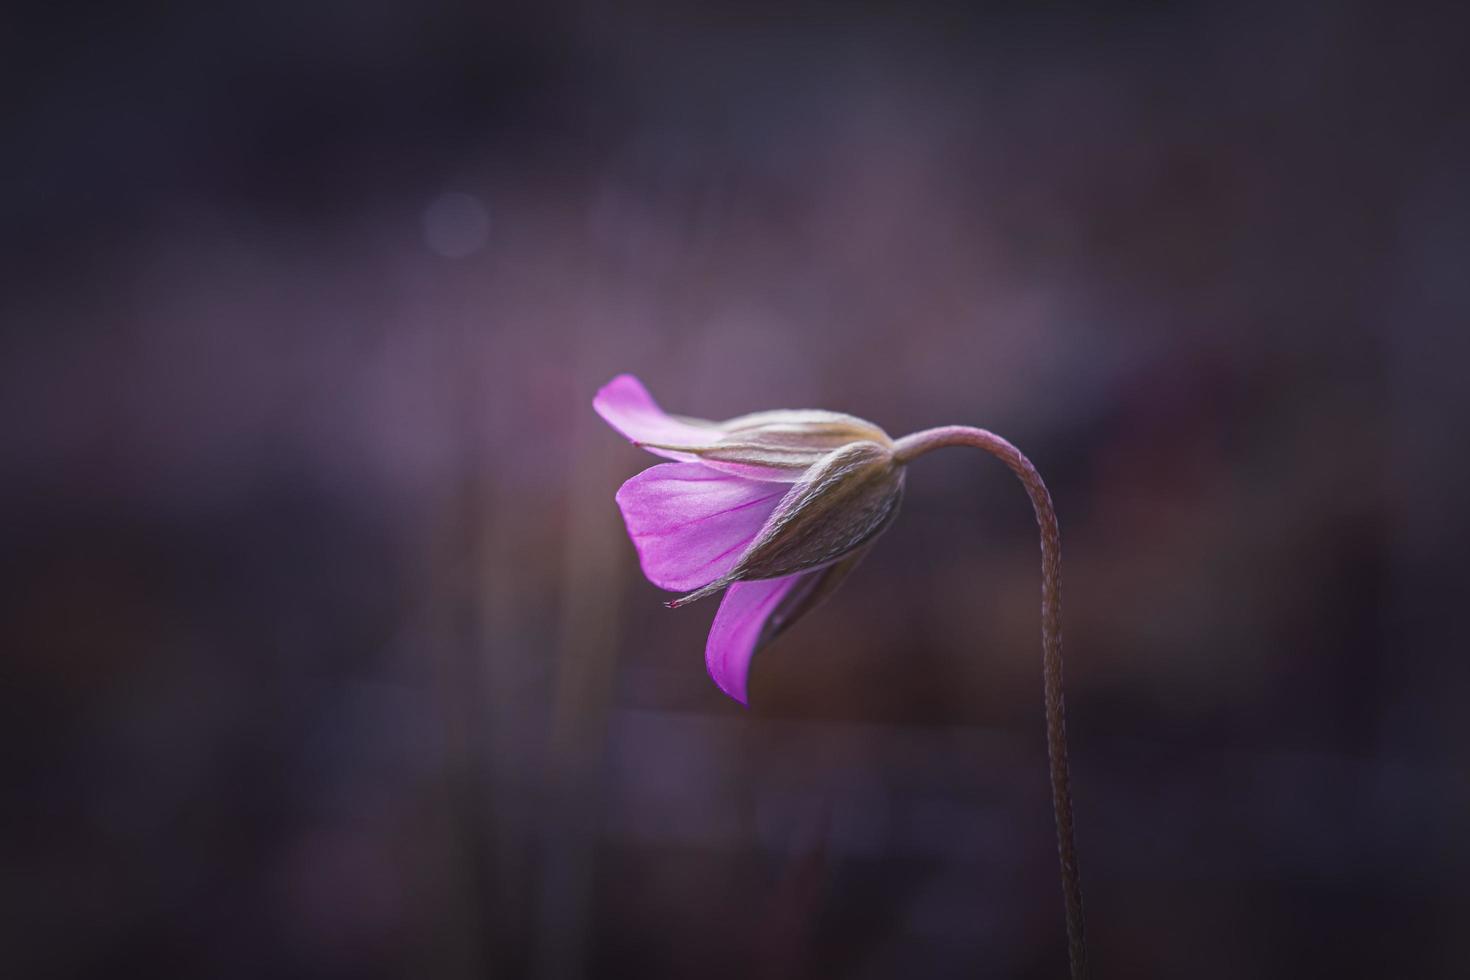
<point x="913" y="446"/>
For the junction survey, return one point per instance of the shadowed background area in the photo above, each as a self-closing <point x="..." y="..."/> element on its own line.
<point x="326" y="654"/>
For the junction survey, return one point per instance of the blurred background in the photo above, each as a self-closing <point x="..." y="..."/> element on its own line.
<point x="325" y="651"/>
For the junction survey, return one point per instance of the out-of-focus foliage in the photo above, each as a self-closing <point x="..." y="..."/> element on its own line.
<point x="327" y="655"/>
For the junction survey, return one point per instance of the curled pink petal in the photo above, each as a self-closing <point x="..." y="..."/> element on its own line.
<point x="628" y="407"/>
<point x="754" y="613"/>
<point x="690" y="523"/>
<point x="738" y="628"/>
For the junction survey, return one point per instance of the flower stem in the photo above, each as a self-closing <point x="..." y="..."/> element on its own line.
<point x="913" y="446"/>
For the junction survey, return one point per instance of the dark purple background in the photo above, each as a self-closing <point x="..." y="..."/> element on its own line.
<point x="326" y="654"/>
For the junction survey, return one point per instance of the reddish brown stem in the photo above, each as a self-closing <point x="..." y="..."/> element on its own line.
<point x="913" y="446"/>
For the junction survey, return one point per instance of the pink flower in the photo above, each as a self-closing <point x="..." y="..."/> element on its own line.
<point x="775" y="508"/>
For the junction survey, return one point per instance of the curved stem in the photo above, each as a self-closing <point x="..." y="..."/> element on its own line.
<point x="913" y="446"/>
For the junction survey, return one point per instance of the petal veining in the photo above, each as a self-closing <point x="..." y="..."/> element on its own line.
<point x="691" y="524"/>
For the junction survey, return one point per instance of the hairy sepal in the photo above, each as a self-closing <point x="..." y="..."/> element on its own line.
<point x="779" y="445"/>
<point x="840" y="504"/>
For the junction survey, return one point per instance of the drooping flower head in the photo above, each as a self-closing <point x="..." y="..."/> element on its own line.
<point x="775" y="508"/>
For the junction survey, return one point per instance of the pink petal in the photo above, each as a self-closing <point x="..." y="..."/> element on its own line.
<point x="690" y="523"/>
<point x="738" y="626"/>
<point x="755" y="613"/>
<point x="628" y="407"/>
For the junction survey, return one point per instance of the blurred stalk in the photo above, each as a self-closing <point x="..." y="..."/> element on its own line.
<point x="462" y="937"/>
<point x="585" y="660"/>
